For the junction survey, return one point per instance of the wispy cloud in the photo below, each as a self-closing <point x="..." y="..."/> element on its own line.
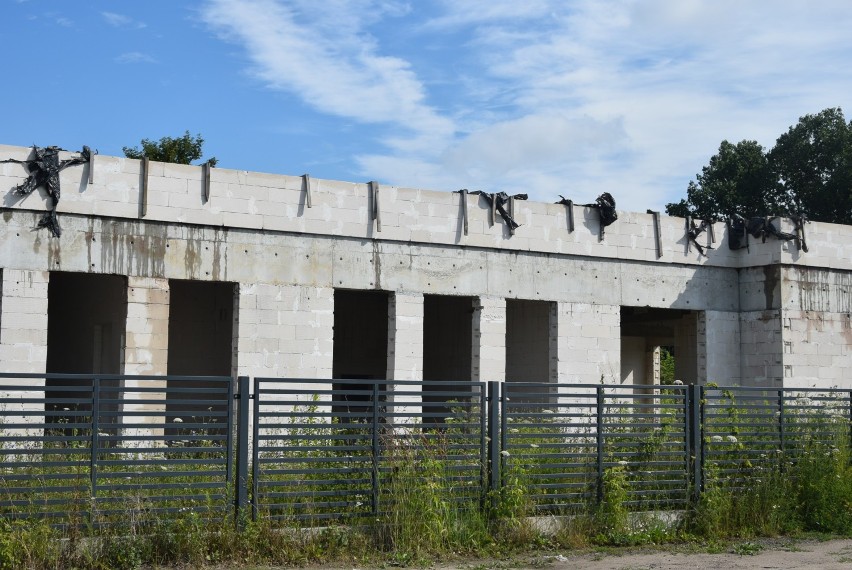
<point x="554" y="97"/>
<point x="134" y="57"/>
<point x="121" y="21"/>
<point x="321" y="53"/>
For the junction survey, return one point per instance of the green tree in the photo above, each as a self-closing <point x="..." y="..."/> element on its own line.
<point x="667" y="365"/>
<point x="813" y="160"/>
<point x="738" y="180"/>
<point x="179" y="150"/>
<point x="808" y="172"/>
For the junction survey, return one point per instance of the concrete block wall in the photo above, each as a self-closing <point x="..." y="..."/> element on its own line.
<point x="256" y="229"/>
<point x="23" y="336"/>
<point x="147" y="328"/>
<point x="589" y="343"/>
<point x="761" y="357"/>
<point x="817" y="327"/>
<point x="240" y="199"/>
<point x="23" y="320"/>
<point x="489" y="340"/>
<point x="285" y="331"/>
<point x="718" y="348"/>
<point x="147" y="347"/>
<point x="405" y="336"/>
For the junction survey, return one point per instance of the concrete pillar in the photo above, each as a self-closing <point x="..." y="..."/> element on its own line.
<point x="489" y="340"/>
<point x="761" y="348"/>
<point x="146" y="349"/>
<point x="23" y="321"/>
<point x="405" y="336"/>
<point x="589" y="343"/>
<point x="147" y="329"/>
<point x="23" y="337"/>
<point x="284" y="331"/>
<point x="405" y="349"/>
<point x="719" y="348"/>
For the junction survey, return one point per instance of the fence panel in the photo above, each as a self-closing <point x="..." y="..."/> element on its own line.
<point x="332" y="450"/>
<point x="564" y="442"/>
<point x="103" y="449"/>
<point x="750" y="432"/>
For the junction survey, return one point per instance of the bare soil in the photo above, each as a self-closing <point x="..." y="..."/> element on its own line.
<point x="763" y="554"/>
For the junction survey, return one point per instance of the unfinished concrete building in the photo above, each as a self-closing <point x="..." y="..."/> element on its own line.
<point x="171" y="269"/>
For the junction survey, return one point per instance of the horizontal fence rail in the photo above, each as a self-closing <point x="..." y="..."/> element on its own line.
<point x="749" y="432"/>
<point x="561" y="441"/>
<point x="348" y="448"/>
<point x="93" y="450"/>
<point x="99" y="450"/>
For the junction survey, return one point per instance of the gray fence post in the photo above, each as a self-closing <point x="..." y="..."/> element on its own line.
<point x="600" y="439"/>
<point x="696" y="438"/>
<point x="242" y="480"/>
<point x="375" y="447"/>
<point x="494" y="440"/>
<point x="782" y="435"/>
<point x="94" y="441"/>
<point x="849" y="425"/>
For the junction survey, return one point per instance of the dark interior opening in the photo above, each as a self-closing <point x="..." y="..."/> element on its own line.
<point x="201" y="341"/>
<point x="360" y="348"/>
<point x="86" y="316"/>
<point x="645" y="332"/>
<point x="447" y="348"/>
<point x="529" y="345"/>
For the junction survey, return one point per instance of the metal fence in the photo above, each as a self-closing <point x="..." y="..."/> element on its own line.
<point x="99" y="449"/>
<point x="326" y="450"/>
<point x="559" y="441"/>
<point x="91" y="450"/>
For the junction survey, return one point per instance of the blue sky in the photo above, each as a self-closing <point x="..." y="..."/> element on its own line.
<point x="546" y="97"/>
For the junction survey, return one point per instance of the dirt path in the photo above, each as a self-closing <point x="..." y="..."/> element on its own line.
<point x="765" y="554"/>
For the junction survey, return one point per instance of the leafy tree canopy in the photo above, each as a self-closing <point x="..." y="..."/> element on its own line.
<point x="180" y="150"/>
<point x="808" y="172"/>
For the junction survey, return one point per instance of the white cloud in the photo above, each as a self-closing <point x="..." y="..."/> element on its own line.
<point x="121" y="21"/>
<point x="554" y="97"/>
<point x="134" y="57"/>
<point x="320" y="53"/>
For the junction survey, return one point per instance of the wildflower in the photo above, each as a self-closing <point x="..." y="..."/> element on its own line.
<point x="358" y="504"/>
<point x="678" y="382"/>
<point x="513" y="430"/>
<point x="67" y="409"/>
<point x="716" y="438"/>
<point x="534" y="445"/>
<point x="178" y="421"/>
<point x="731" y="439"/>
<point x="622" y="463"/>
<point x="504" y="453"/>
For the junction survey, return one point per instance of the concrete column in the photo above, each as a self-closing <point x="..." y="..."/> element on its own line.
<point x="405" y="336"/>
<point x="147" y="329"/>
<point x="146" y="349"/>
<point x="488" y="353"/>
<point x="23" y="336"/>
<point x="761" y="348"/>
<point x="589" y="343"/>
<point x="284" y="331"/>
<point x="405" y="349"/>
<point x="719" y="348"/>
<point x="23" y="321"/>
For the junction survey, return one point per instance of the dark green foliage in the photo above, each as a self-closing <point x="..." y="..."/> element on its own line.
<point x="808" y="172"/>
<point x="667" y="366"/>
<point x="179" y="150"/>
<point x="813" y="161"/>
